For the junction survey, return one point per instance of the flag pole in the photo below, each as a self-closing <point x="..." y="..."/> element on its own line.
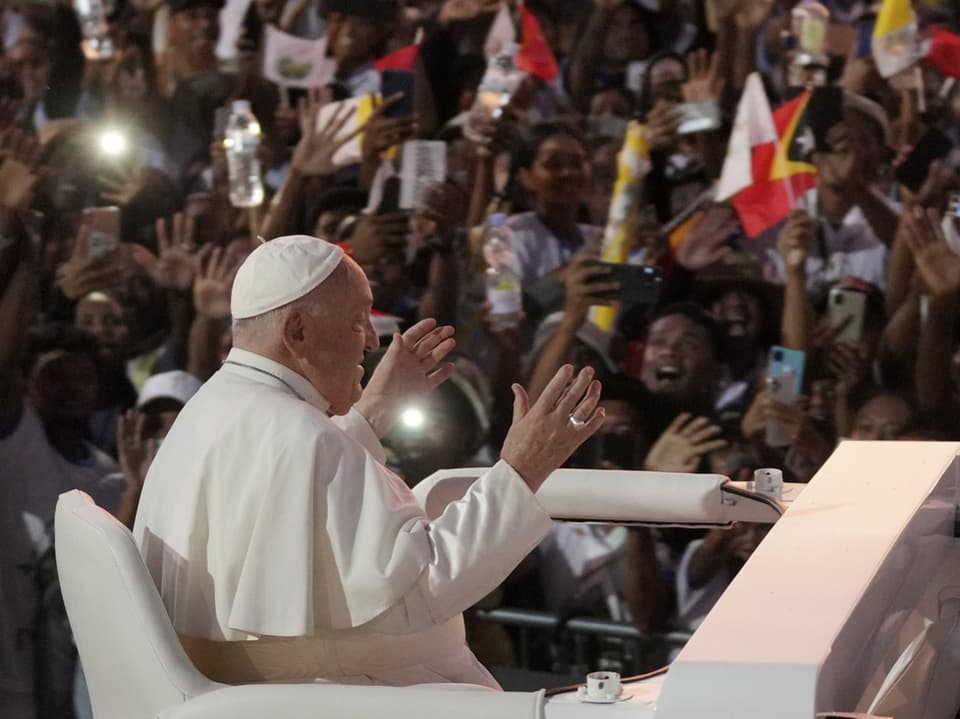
<point x="788" y="180"/>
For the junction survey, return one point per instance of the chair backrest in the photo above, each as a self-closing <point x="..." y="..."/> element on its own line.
<point x="132" y="659"/>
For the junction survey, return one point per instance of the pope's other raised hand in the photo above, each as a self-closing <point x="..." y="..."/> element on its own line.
<point x="544" y="435"/>
<point x="412" y="365"/>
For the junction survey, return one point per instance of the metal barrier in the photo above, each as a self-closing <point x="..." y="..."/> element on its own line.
<point x="581" y="644"/>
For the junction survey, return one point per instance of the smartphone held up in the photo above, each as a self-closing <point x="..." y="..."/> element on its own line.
<point x="104" y="224"/>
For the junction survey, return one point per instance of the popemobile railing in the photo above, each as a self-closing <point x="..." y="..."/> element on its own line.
<point x="568" y="648"/>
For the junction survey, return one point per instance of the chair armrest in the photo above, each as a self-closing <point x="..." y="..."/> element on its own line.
<point x="342" y="701"/>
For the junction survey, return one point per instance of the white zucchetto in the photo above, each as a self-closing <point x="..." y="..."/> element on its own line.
<point x="281" y="271"/>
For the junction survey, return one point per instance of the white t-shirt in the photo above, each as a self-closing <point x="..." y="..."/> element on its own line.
<point x="695" y="602"/>
<point x="585" y="566"/>
<point x="850" y="250"/>
<point x="538" y="250"/>
<point x="32" y="475"/>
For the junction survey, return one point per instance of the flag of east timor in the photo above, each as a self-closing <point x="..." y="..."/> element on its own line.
<point x="786" y="164"/>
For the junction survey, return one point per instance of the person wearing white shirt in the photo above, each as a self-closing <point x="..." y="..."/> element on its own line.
<point x="849" y="249"/>
<point x="856" y="224"/>
<point x="282" y="547"/>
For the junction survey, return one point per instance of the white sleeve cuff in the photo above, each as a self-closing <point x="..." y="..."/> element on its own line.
<point x="356" y="426"/>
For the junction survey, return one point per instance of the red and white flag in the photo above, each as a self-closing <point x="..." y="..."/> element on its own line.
<point x="944" y="51"/>
<point x="768" y="166"/>
<point x="502" y="33"/>
<point x="403" y="59"/>
<point x="752" y="127"/>
<point x="535" y="56"/>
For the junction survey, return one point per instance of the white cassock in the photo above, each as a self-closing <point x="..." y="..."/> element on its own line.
<point x="284" y="550"/>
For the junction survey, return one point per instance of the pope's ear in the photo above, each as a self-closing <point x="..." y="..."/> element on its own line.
<point x="293" y="331"/>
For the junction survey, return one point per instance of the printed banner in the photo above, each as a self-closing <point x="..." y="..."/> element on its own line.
<point x="291" y="61"/>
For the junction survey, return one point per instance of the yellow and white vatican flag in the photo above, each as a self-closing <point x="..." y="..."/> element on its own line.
<point x="895" y="43"/>
<point x="502" y="32"/>
<point x="633" y="164"/>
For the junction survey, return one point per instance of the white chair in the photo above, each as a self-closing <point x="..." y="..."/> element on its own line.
<point x="136" y="668"/>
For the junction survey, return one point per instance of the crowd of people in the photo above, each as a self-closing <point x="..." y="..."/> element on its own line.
<point x="102" y="346"/>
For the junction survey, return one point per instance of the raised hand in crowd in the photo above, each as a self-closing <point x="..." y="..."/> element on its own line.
<point x="850" y="366"/>
<point x="376" y="235"/>
<point x="175" y="266"/>
<point x="705" y="84"/>
<point x="807" y="447"/>
<point x="705" y="245"/>
<point x="720" y="547"/>
<point x="452" y="11"/>
<point x="443" y="213"/>
<point x="545" y="433"/>
<point x="87" y="272"/>
<point x="723" y="9"/>
<point x="796" y="241"/>
<point x="315" y="152"/>
<point x="19" y="158"/>
<point x="940" y="177"/>
<point x="135" y="454"/>
<point x="383" y="132"/>
<point x="413" y="364"/>
<point x="662" y="123"/>
<point x="937" y="265"/>
<point x="585" y="284"/>
<point x="794" y="245"/>
<point x="684" y="444"/>
<point x="751" y="14"/>
<point x="120" y="185"/>
<point x="214" y="278"/>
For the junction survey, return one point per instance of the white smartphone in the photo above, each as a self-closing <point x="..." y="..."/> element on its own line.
<point x="698" y="117"/>
<point x="781" y="389"/>
<point x="104" y="225"/>
<point x="847" y="306"/>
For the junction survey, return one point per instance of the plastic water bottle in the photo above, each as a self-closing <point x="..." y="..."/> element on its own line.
<point x="92" y="16"/>
<point x="504" y="291"/>
<point x="241" y="142"/>
<point x="808" y="60"/>
<point x="496" y="88"/>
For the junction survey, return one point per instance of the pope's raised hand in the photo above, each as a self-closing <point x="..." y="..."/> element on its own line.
<point x="544" y="435"/>
<point x="413" y="364"/>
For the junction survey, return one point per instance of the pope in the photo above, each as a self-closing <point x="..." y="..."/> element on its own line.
<point x="282" y="547"/>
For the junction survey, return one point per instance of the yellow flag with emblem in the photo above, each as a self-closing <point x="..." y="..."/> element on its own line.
<point x="895" y="46"/>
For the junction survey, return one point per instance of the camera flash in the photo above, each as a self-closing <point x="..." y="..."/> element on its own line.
<point x="113" y="143"/>
<point x="412" y="418"/>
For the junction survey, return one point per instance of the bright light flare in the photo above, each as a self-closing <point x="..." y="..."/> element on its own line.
<point x="113" y="143"/>
<point x="412" y="418"/>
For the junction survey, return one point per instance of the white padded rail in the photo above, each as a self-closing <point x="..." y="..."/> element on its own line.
<point x="603" y="495"/>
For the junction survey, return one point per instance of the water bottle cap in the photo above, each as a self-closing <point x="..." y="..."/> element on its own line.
<point x="241" y="106"/>
<point x="497" y="219"/>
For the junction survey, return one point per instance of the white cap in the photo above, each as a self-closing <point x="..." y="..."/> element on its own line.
<point x="176" y="385"/>
<point x="281" y="271"/>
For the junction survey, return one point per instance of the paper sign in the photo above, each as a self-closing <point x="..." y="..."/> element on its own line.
<point x="424" y="165"/>
<point x="351" y="152"/>
<point x="291" y="61"/>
